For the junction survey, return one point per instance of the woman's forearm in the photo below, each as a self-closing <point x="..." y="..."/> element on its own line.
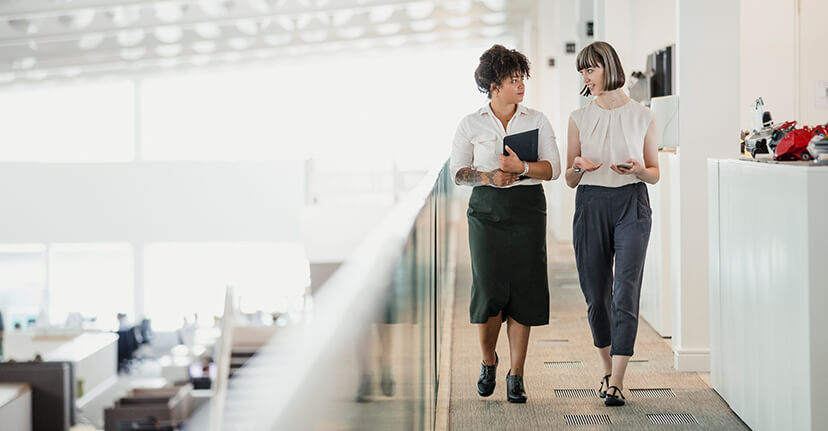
<point x="471" y="177"/>
<point x="572" y="178"/>
<point x="650" y="175"/>
<point x="541" y="170"/>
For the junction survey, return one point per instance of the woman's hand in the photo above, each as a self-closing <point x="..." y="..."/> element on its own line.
<point x="500" y="178"/>
<point x="635" y="169"/>
<point x="585" y="164"/>
<point x="510" y="163"/>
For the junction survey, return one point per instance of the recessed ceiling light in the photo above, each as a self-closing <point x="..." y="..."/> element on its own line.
<point x="494" y="18"/>
<point x="216" y="8"/>
<point x="238" y="43"/>
<point x="133" y="53"/>
<point x="314" y="36"/>
<point x="90" y="41"/>
<point x="351" y="32"/>
<point x="169" y="33"/>
<point x="123" y="16"/>
<point x="495" y="4"/>
<point x="208" y="30"/>
<point x="79" y="19"/>
<point x="248" y="26"/>
<point x="420" y="9"/>
<point x="169" y="50"/>
<point x="204" y="46"/>
<point x="389" y="29"/>
<point x="341" y="17"/>
<point x="426" y="25"/>
<point x="170" y="12"/>
<point x="277" y="39"/>
<point x="24" y="63"/>
<point x="286" y="23"/>
<point x="381" y="13"/>
<point x="131" y="37"/>
<point x="261" y="6"/>
<point x="459" y="21"/>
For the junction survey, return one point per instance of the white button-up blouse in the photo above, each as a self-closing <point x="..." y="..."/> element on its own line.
<point x="479" y="139"/>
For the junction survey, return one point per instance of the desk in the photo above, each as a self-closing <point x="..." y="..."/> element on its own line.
<point x="93" y="355"/>
<point x="16" y="406"/>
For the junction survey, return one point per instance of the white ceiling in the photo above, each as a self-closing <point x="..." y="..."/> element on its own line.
<point x="60" y="39"/>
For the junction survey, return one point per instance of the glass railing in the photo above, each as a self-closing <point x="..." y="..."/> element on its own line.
<point x="368" y="355"/>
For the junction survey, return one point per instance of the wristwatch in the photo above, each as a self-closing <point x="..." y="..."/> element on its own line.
<point x="577" y="170"/>
<point x="525" y="169"/>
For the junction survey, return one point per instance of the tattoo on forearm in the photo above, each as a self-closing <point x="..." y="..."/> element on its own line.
<point x="470" y="177"/>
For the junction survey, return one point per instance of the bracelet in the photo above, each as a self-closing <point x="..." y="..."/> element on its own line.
<point x="525" y="169"/>
<point x="577" y="170"/>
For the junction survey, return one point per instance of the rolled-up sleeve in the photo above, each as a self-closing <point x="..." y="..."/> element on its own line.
<point x="462" y="151"/>
<point x="548" y="148"/>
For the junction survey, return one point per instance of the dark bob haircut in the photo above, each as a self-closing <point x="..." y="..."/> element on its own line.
<point x="604" y="55"/>
<point x="497" y="64"/>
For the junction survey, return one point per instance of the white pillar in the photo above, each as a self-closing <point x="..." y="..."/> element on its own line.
<point x="138" y="281"/>
<point x="708" y="87"/>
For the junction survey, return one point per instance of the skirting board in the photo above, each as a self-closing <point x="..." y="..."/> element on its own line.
<point x="691" y="359"/>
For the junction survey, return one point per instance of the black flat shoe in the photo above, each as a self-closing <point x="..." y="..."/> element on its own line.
<point x="613" y="399"/>
<point x="604" y="382"/>
<point x="515" y="391"/>
<point x="486" y="381"/>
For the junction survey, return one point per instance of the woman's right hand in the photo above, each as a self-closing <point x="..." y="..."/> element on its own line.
<point x="501" y="178"/>
<point x="585" y="164"/>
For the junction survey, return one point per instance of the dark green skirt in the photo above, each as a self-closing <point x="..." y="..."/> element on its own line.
<point x="507" y="239"/>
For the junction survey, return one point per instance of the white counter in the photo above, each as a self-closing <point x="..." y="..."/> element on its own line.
<point x="656" y="289"/>
<point x="769" y="291"/>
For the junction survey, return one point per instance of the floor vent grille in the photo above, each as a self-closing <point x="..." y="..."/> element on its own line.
<point x="587" y="420"/>
<point x="671" y="419"/>
<point x="576" y="393"/>
<point x="551" y="342"/>
<point x="564" y="364"/>
<point x="653" y="393"/>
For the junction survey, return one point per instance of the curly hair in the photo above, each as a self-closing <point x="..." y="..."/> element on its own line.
<point x="497" y="64"/>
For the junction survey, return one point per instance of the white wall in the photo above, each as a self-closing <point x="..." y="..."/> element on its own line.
<point x="703" y="39"/>
<point x="774" y="68"/>
<point x="635" y="28"/>
<point x="813" y="59"/>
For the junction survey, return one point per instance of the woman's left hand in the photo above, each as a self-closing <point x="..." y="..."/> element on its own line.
<point x="510" y="163"/>
<point x="635" y="169"/>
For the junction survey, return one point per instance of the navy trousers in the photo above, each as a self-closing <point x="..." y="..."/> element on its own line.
<point x="611" y="228"/>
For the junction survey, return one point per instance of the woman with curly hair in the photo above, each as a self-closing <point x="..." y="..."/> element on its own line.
<point x="506" y="215"/>
<point x="612" y="152"/>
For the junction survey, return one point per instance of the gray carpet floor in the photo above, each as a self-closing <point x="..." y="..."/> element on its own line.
<point x="651" y="368"/>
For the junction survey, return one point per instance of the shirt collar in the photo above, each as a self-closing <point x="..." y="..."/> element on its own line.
<point x="486" y="109"/>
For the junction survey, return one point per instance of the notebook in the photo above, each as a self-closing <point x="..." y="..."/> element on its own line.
<point x="524" y="144"/>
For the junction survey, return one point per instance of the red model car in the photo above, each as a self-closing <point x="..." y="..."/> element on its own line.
<point x="793" y="145"/>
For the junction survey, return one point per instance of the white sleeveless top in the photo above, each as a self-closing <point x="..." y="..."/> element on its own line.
<point x="611" y="136"/>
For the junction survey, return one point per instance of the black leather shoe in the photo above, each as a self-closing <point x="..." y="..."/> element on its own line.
<point x="486" y="381"/>
<point x="614" y="397"/>
<point x="604" y="384"/>
<point x="515" y="392"/>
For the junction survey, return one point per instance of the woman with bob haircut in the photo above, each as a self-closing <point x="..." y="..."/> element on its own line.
<point x="506" y="215"/>
<point x="611" y="152"/>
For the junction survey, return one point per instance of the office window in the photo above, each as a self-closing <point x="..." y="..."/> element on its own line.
<point x="95" y="280"/>
<point x="91" y="122"/>
<point x="183" y="280"/>
<point x="22" y="282"/>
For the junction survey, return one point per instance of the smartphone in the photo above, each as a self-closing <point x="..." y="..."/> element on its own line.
<point x="624" y="166"/>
